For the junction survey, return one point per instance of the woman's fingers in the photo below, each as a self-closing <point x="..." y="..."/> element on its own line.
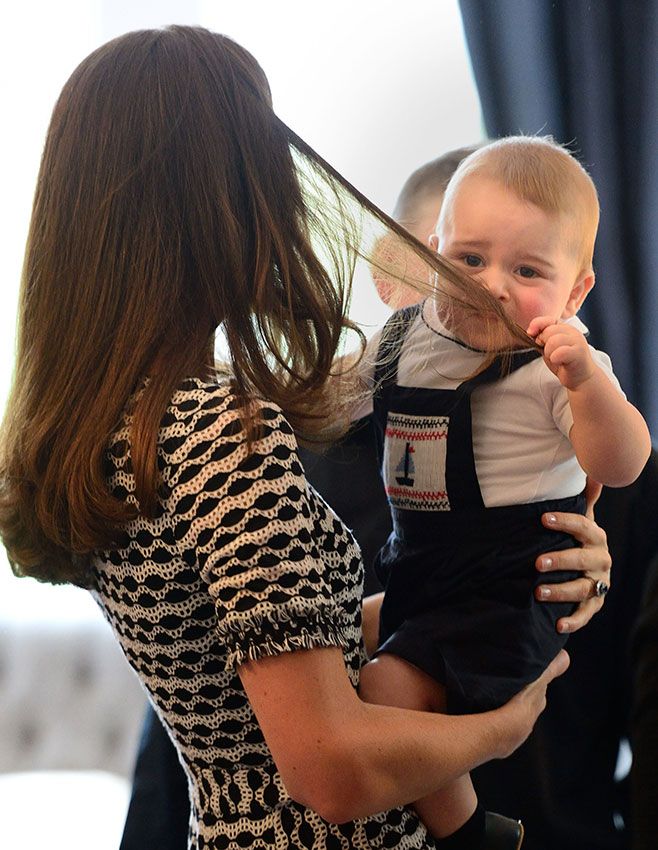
<point x="595" y="562"/>
<point x="580" y="617"/>
<point x="579" y="590"/>
<point x="558" y="666"/>
<point x="592" y="558"/>
<point x="529" y="703"/>
<point x="585" y="530"/>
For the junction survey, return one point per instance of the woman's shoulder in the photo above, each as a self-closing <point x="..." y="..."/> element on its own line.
<point x="205" y="417"/>
<point x="205" y="411"/>
<point x="198" y="402"/>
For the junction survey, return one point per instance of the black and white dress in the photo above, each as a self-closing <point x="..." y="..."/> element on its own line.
<point x="244" y="560"/>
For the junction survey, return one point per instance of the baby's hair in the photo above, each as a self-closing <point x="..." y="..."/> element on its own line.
<point x="542" y="172"/>
<point x="426" y="183"/>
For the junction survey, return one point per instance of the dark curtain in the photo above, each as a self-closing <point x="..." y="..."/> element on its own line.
<point x="586" y="72"/>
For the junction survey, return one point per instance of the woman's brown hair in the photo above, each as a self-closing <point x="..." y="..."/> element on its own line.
<point x="170" y="201"/>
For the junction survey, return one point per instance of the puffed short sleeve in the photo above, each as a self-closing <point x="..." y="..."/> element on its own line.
<point x="257" y="541"/>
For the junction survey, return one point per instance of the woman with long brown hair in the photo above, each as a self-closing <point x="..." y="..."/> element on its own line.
<point x="171" y="202"/>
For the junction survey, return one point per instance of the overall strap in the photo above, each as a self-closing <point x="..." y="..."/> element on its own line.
<point x="390" y="345"/>
<point x="500" y="368"/>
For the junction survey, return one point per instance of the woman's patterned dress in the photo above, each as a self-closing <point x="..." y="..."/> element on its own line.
<point x="243" y="560"/>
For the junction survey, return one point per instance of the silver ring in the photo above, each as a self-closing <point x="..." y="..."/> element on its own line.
<point x="599" y="588"/>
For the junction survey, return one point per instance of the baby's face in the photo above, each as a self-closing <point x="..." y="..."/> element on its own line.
<point x="514" y="248"/>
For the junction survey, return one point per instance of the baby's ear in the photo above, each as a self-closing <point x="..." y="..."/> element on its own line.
<point x="434" y="242"/>
<point x="578" y="294"/>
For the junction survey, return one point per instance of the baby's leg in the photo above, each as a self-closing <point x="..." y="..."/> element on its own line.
<point x="389" y="680"/>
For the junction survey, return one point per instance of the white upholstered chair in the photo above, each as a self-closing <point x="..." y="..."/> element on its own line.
<point x="70" y="716"/>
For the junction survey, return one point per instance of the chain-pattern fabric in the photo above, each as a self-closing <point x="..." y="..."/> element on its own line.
<point x="243" y="560"/>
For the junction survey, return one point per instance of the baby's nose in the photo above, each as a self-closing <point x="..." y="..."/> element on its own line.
<point x="495" y="283"/>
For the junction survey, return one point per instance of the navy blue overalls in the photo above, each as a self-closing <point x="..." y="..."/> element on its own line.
<point x="459" y="577"/>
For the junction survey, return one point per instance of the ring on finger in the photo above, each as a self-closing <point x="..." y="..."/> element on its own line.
<point x="599" y="587"/>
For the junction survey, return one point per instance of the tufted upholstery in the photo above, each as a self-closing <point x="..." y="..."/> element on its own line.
<point x="68" y="699"/>
<point x="70" y="717"/>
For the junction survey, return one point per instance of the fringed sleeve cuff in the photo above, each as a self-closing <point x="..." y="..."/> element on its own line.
<point x="252" y="637"/>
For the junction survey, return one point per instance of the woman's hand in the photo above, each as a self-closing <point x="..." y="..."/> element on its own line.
<point x="521" y="712"/>
<point x="592" y="559"/>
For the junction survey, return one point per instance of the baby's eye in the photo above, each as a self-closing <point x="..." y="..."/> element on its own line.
<point x="526" y="271"/>
<point x="472" y="260"/>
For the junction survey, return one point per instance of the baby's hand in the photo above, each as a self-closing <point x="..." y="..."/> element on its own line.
<point x="566" y="352"/>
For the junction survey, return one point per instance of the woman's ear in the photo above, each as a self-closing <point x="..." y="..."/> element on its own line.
<point x="434" y="242"/>
<point x="578" y="294"/>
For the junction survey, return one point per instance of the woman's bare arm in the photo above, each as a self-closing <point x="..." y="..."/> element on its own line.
<point x="348" y="759"/>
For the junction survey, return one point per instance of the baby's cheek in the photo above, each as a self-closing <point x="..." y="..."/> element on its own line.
<point x="531" y="304"/>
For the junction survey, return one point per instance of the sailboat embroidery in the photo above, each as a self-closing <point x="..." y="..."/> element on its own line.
<point x="406" y="467"/>
<point x="414" y="463"/>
